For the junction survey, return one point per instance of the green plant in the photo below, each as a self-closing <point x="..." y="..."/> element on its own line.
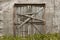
<point x="54" y="36"/>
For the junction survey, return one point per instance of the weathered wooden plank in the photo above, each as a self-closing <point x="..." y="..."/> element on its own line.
<point x="36" y="28"/>
<point x="32" y="17"/>
<point x="25" y="21"/>
<point x="29" y="15"/>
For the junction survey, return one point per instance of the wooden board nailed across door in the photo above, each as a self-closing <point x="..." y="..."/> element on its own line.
<point x="28" y="19"/>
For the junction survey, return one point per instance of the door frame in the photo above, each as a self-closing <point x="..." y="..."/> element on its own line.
<point x="17" y="5"/>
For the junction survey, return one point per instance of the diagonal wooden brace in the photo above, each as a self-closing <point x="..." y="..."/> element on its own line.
<point x="25" y="22"/>
<point x="36" y="28"/>
<point x="33" y="14"/>
<point x="31" y="17"/>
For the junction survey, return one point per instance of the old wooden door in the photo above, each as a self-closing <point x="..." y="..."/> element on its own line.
<point x="28" y="19"/>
